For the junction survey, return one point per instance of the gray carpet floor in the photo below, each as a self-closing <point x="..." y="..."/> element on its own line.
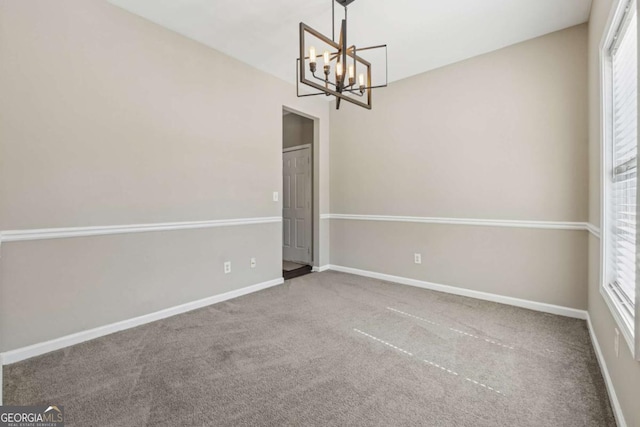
<point x="328" y="349"/>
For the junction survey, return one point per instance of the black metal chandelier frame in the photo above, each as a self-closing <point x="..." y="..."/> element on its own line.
<point x="343" y="87"/>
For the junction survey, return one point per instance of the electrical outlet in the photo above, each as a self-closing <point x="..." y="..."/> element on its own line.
<point x="616" y="342"/>
<point x="253" y="263"/>
<point x="276" y="196"/>
<point x="417" y="258"/>
<point x="227" y="267"/>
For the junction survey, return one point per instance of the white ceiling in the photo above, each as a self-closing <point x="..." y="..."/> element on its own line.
<point x="421" y="34"/>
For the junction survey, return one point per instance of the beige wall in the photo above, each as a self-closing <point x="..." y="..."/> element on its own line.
<point x="296" y="130"/>
<point x="624" y="371"/>
<point x="57" y="287"/>
<point x="108" y="119"/>
<point x="537" y="265"/>
<point x="499" y="136"/>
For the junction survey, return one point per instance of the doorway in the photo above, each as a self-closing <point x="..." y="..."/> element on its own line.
<point x="297" y="194"/>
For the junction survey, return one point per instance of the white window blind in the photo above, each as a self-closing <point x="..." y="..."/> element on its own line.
<point x="624" y="61"/>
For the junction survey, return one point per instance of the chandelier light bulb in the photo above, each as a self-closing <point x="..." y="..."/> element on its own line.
<point x="339" y="69"/>
<point x="312" y="59"/>
<point x="361" y="79"/>
<point x="312" y="54"/>
<point x="351" y="72"/>
<point x="326" y="57"/>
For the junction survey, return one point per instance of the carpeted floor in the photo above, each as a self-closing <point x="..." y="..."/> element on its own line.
<point x="328" y="349"/>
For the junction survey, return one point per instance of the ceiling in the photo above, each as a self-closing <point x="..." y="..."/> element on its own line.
<point x="421" y="34"/>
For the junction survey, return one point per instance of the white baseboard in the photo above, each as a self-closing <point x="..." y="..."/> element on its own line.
<point x="320" y="269"/>
<point x="532" y="305"/>
<point x="38" y="349"/>
<point x="617" y="410"/>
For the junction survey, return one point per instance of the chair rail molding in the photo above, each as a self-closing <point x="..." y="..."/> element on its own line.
<point x="67" y="232"/>
<point x="545" y="225"/>
<point x="59" y="233"/>
<point x="595" y="231"/>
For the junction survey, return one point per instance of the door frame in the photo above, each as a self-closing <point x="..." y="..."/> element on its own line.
<point x="301" y="147"/>
<point x="315" y="183"/>
<point x="310" y="188"/>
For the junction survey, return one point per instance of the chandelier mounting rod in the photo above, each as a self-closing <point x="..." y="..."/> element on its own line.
<point x="343" y="3"/>
<point x="333" y="20"/>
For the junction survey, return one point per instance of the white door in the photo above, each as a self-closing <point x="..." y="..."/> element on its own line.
<point x="296" y="205"/>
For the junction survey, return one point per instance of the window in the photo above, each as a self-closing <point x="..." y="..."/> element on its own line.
<point x="620" y="56"/>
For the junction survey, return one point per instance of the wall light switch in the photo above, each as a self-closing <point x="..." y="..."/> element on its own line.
<point x="417" y="258"/>
<point x="276" y="196"/>
<point x="253" y="263"/>
<point x="227" y="267"/>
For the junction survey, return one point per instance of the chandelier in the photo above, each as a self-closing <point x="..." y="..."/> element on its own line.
<point x="345" y="73"/>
